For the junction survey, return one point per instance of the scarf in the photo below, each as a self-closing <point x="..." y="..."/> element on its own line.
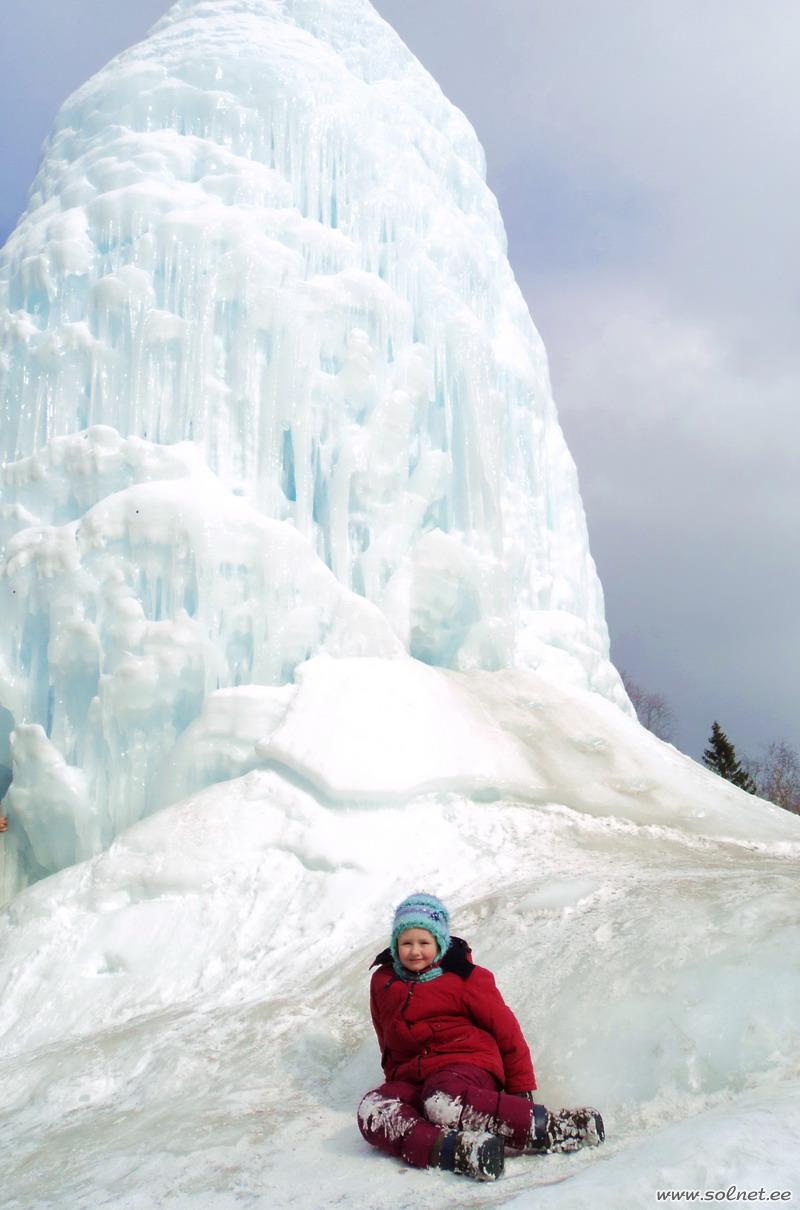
<point x="433" y="972"/>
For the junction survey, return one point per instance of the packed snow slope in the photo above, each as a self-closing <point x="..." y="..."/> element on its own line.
<point x="299" y="616"/>
<point x="185" y="1017"/>
<point x="268" y="388"/>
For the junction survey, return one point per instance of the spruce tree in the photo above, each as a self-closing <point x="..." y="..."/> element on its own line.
<point x="720" y="757"/>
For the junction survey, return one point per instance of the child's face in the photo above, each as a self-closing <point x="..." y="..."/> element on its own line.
<point x="416" y="949"/>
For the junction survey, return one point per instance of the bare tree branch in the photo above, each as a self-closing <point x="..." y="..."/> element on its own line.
<point x="652" y="709"/>
<point x="777" y="775"/>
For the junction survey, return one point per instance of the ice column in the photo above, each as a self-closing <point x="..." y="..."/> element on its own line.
<point x="263" y="237"/>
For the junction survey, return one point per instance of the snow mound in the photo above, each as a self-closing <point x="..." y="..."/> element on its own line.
<point x="189" y="1008"/>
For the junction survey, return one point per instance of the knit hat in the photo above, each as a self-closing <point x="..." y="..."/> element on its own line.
<point x="422" y="911"/>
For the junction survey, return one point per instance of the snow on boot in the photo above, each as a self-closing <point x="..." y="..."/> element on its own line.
<point x="471" y="1152"/>
<point x="570" y="1129"/>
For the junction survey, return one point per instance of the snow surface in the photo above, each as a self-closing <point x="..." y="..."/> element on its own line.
<point x="185" y="1016"/>
<point x="300" y="616"/>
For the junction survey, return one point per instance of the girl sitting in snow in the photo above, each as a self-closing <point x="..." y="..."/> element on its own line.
<point x="459" y="1078"/>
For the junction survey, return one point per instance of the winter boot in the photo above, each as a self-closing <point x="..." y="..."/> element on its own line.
<point x="472" y="1152"/>
<point x="566" y="1130"/>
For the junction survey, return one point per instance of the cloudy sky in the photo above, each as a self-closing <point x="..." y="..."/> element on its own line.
<point x="645" y="155"/>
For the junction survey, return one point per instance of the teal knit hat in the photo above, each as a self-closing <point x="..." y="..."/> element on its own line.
<point x="422" y="911"/>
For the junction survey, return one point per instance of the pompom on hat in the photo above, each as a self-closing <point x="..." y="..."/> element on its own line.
<point x="422" y="911"/>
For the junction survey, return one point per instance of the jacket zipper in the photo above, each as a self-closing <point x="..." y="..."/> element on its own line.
<point x="402" y="1013"/>
<point x="408" y="1023"/>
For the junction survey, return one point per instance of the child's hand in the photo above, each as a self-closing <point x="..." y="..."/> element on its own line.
<point x="3" y="823"/>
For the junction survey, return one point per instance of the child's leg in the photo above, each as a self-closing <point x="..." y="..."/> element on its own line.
<point x="463" y="1097"/>
<point x="389" y="1118"/>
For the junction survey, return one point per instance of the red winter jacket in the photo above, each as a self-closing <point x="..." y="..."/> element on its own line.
<point x="459" y="1017"/>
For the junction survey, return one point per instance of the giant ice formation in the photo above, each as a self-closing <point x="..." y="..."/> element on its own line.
<point x="299" y="615"/>
<point x="268" y="388"/>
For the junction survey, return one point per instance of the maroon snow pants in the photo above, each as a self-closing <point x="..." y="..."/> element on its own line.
<point x="406" y="1119"/>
